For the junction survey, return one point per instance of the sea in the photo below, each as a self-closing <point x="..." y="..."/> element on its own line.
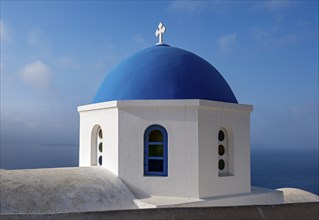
<point x="296" y="168"/>
<point x="270" y="168"/>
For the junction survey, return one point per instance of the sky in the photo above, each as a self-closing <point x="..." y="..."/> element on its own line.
<point x="55" y="54"/>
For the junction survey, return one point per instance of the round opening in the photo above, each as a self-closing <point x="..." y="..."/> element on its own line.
<point x="221" y="135"/>
<point x="221" y="164"/>
<point x="221" y="150"/>
<point x="100" y="160"/>
<point x="101" y="147"/>
<point x="100" y="134"/>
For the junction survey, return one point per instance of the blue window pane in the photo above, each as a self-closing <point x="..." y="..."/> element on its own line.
<point x="155" y="165"/>
<point x="221" y="150"/>
<point x="100" y="160"/>
<point x="100" y="134"/>
<point x="221" y="164"/>
<point x="221" y="135"/>
<point x="155" y="151"/>
<point x="156" y="136"/>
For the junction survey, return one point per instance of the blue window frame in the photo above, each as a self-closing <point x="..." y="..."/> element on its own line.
<point x="155" y="151"/>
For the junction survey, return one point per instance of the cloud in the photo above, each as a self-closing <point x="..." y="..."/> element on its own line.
<point x="275" y="35"/>
<point x="36" y="75"/>
<point x="139" y="39"/>
<point x="33" y="36"/>
<point x="274" y="5"/>
<point x="187" y="6"/>
<point x="277" y="5"/>
<point x="68" y="62"/>
<point x="37" y="40"/>
<point x="227" y="42"/>
<point x="4" y="32"/>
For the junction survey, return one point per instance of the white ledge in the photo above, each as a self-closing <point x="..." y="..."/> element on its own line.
<point x="166" y="103"/>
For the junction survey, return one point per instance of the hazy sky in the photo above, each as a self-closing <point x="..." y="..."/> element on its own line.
<point x="55" y="54"/>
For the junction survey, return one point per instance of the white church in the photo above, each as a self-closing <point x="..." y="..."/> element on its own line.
<point x="166" y="123"/>
<point x="164" y="130"/>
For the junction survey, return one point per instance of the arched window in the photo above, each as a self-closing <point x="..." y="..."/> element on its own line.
<point x="99" y="146"/>
<point x="223" y="153"/>
<point x="155" y="151"/>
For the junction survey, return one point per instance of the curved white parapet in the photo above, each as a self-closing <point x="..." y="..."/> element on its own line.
<point x="58" y="190"/>
<point x="293" y="195"/>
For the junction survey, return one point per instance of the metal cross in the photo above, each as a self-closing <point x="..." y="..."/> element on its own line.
<point x="160" y="32"/>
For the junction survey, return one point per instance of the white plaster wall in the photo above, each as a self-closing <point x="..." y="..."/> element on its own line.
<point x="181" y="125"/>
<point x="192" y="127"/>
<point x="236" y="120"/>
<point x="107" y="118"/>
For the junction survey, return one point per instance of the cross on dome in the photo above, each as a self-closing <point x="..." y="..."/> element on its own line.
<point x="160" y="32"/>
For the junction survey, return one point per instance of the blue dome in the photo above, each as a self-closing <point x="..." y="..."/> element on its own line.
<point x="164" y="72"/>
